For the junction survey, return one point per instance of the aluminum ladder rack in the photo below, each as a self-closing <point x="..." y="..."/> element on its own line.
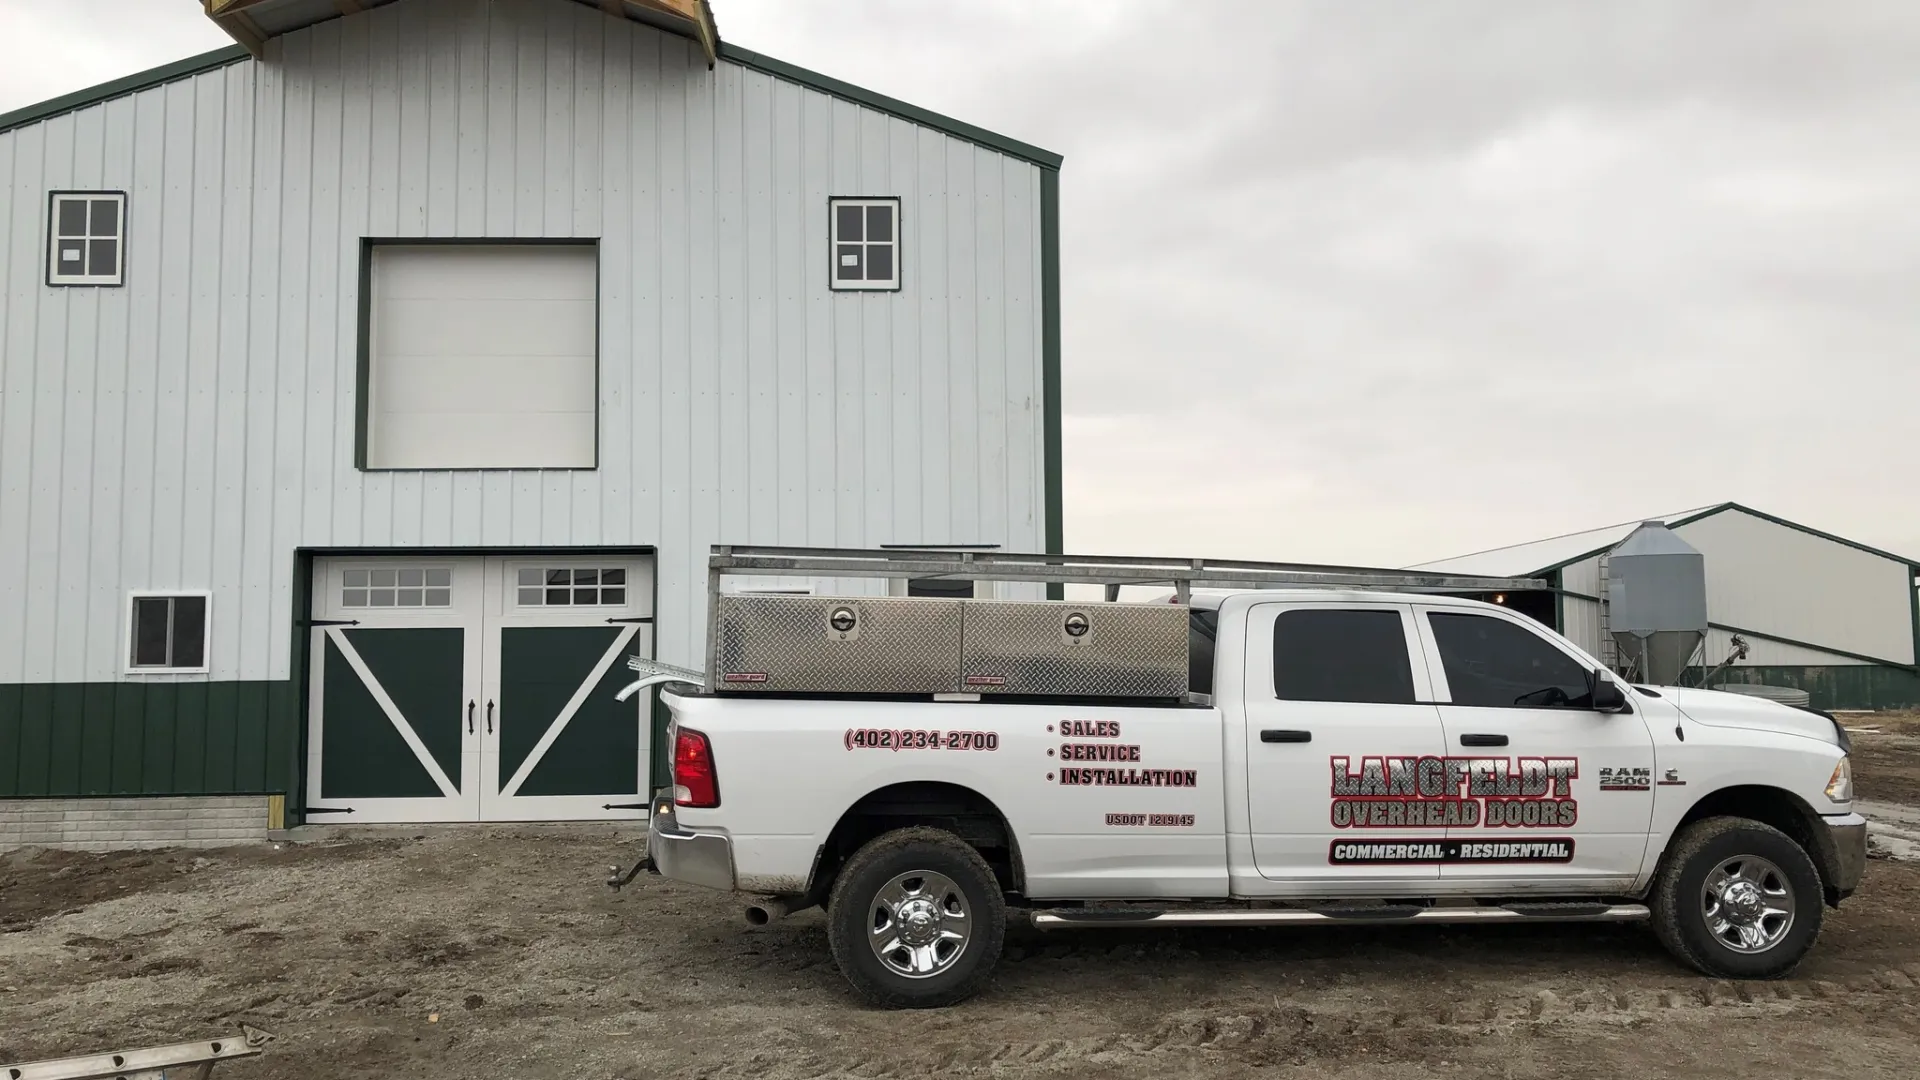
<point x="1112" y="571"/>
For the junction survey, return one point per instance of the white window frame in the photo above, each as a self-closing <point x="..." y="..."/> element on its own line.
<point x="512" y="586"/>
<point x="54" y="236"/>
<point x="834" y="281"/>
<point x="206" y="632"/>
<point x="424" y="566"/>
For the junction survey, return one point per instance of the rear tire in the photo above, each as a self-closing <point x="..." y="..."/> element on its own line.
<point x="916" y="920"/>
<point x="1737" y="899"/>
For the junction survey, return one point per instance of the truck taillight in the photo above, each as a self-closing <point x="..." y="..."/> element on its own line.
<point x="694" y="782"/>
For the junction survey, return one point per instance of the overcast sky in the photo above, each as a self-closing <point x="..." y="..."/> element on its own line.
<point x="1375" y="281"/>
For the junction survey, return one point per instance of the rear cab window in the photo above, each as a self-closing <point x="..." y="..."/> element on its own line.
<point x="1357" y="655"/>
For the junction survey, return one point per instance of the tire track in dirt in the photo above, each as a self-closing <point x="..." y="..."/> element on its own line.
<point x="1274" y="1032"/>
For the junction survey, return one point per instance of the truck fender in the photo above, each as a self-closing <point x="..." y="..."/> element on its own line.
<point x="956" y="808"/>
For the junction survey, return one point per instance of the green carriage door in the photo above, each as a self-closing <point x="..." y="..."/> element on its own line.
<point x="395" y="657"/>
<point x="555" y="745"/>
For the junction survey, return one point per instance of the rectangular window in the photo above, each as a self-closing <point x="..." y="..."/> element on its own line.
<point x="168" y="633"/>
<point x="571" y="587"/>
<point x="86" y="238"/>
<point x="401" y="588"/>
<point x="1493" y="663"/>
<point x="1342" y="656"/>
<point x="481" y="356"/>
<point x="949" y="588"/>
<point x="865" y="243"/>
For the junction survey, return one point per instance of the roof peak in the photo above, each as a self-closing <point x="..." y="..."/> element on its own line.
<point x="252" y="23"/>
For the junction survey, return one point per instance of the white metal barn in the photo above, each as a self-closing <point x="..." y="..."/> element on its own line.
<point x="369" y="390"/>
<point x="1819" y="612"/>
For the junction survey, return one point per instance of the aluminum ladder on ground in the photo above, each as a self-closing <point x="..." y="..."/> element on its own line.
<point x="176" y="1062"/>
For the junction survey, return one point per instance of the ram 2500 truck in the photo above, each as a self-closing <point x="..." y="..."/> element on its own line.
<point x="1341" y="755"/>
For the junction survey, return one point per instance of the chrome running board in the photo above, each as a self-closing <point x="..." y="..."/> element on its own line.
<point x="1064" y="919"/>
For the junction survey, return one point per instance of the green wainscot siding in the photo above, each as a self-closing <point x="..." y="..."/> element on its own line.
<point x="149" y="738"/>
<point x="1851" y="686"/>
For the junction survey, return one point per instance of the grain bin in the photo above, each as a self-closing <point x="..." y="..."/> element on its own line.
<point x="1657" y="602"/>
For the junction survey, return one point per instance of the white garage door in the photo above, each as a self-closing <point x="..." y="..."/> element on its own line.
<point x="482" y="357"/>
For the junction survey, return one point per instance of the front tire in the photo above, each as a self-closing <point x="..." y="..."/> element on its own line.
<point x="916" y="920"/>
<point x="1737" y="899"/>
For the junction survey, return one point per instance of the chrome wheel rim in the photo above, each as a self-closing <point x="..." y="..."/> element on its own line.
<point x="918" y="924"/>
<point x="1748" y="904"/>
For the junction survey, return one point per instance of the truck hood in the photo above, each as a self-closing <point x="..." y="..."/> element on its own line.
<point x="1716" y="708"/>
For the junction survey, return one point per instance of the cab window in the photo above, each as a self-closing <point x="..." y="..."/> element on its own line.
<point x="1493" y="663"/>
<point x="1356" y="656"/>
<point x="1202" y="631"/>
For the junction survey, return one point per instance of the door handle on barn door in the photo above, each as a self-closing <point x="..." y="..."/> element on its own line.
<point x="1278" y="735"/>
<point x="489" y="716"/>
<point x="1483" y="740"/>
<point x="469" y="716"/>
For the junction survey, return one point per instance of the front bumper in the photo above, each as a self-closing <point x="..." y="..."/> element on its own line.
<point x="1849" y="832"/>
<point x="697" y="858"/>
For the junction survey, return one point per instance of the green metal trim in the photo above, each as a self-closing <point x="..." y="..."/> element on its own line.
<point x="1674" y="524"/>
<point x="298" y="674"/>
<point x="1764" y="636"/>
<point x="121" y="87"/>
<point x="846" y="91"/>
<point x="1913" y="594"/>
<point x="1811" y="531"/>
<point x="1559" y="604"/>
<point x="363" y="357"/>
<point x="1762" y="515"/>
<point x="1050" y="367"/>
<point x="533" y="551"/>
<point x="779" y="69"/>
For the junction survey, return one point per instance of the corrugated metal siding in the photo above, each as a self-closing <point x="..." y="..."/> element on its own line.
<point x="1860" y="686"/>
<point x="1581" y="620"/>
<point x="1766" y="577"/>
<point x="196" y="427"/>
<point x="1764" y="653"/>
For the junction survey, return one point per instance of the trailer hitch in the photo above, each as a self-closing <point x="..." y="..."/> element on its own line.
<point x="616" y="881"/>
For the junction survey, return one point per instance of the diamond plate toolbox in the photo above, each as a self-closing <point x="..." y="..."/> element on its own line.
<point x="846" y="645"/>
<point x="1062" y="649"/>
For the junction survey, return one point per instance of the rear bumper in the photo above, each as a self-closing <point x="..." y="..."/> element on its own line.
<point x="1849" y="832"/>
<point x="697" y="858"/>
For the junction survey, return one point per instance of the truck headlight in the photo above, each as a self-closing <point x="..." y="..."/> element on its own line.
<point x="1840" y="786"/>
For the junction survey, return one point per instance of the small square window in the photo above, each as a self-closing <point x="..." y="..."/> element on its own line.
<point x="865" y="243"/>
<point x="86" y="238"/>
<point x="168" y="633"/>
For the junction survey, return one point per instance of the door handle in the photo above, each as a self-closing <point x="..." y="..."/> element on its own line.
<point x="469" y="716"/>
<point x="490" y="717"/>
<point x="1483" y="740"/>
<point x="1278" y="735"/>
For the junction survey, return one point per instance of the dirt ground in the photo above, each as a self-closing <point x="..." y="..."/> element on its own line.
<point x="1886" y="756"/>
<point x="498" y="953"/>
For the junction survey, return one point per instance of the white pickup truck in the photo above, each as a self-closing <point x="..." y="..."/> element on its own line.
<point x="1347" y="756"/>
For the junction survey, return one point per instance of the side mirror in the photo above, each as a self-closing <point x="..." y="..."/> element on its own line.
<point x="1608" y="697"/>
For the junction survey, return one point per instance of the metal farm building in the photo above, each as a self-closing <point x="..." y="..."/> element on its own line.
<point x="1836" y="618"/>
<point x="370" y="390"/>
